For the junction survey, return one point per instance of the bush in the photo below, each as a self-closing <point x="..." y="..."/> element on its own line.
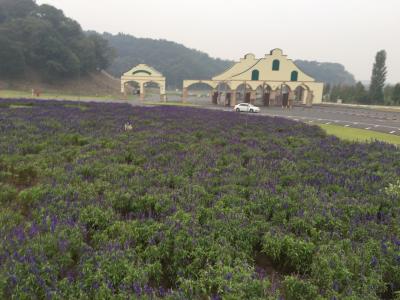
<point x="289" y="252"/>
<point x="296" y="289"/>
<point x="96" y="218"/>
<point x="7" y="194"/>
<point x="31" y="197"/>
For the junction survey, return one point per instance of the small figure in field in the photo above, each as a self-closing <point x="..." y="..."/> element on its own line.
<point x="128" y="126"/>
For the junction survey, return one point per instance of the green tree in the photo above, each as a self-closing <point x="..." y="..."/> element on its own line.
<point x="15" y="9"/>
<point x="396" y="94"/>
<point x="360" y="93"/>
<point x="104" y="54"/>
<point x="378" y="78"/>
<point x="42" y="39"/>
<point x="12" y="60"/>
<point x="327" y="89"/>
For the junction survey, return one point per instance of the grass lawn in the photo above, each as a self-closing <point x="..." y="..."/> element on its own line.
<point x="54" y="95"/>
<point x="360" y="135"/>
<point x="12" y="94"/>
<point x="172" y="103"/>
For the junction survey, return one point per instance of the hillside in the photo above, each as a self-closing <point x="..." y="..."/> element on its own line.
<point x="175" y="61"/>
<point x="42" y="38"/>
<point x="91" y="84"/>
<point x="332" y="73"/>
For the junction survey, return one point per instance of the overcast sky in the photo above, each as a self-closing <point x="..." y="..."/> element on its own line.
<point x="345" y="31"/>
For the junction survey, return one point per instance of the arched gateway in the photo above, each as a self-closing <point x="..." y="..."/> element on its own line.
<point x="271" y="80"/>
<point x="143" y="75"/>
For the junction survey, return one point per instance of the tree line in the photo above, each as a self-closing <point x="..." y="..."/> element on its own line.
<point x="41" y="38"/>
<point x="378" y="92"/>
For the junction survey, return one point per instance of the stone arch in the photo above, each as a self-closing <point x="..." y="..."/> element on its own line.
<point x="143" y="74"/>
<point x="198" y="82"/>
<point x="302" y="94"/>
<point x="263" y="94"/>
<point x="131" y="86"/>
<point x="244" y="92"/>
<point x="224" y="94"/>
<point x="283" y="95"/>
<point x="160" y="84"/>
<point x="205" y="88"/>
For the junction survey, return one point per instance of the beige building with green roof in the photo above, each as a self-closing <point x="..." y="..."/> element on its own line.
<point x="271" y="80"/>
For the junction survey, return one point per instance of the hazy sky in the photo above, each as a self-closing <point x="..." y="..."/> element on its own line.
<point x="345" y="31"/>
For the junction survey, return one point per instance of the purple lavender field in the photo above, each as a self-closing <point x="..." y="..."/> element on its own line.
<point x="191" y="204"/>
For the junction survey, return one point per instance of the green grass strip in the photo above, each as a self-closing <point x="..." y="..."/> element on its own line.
<point x="360" y="135"/>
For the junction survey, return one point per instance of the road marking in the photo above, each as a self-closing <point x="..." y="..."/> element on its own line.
<point x="346" y="125"/>
<point x="393" y="132"/>
<point x="310" y="121"/>
<point x="376" y="126"/>
<point x="296" y="120"/>
<point x="368" y="128"/>
<point x="355" y="123"/>
<point x="328" y="123"/>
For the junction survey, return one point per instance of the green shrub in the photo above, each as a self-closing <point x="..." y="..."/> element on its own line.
<point x="96" y="218"/>
<point x="7" y="194"/>
<point x="25" y="176"/>
<point x="296" y="289"/>
<point x="31" y="197"/>
<point x="289" y="252"/>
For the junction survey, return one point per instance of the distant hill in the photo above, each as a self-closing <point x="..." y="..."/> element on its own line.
<point x="178" y="62"/>
<point x="175" y="61"/>
<point x="332" y="73"/>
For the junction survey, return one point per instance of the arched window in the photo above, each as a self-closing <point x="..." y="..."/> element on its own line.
<point x="255" y="75"/>
<point x="294" y="76"/>
<point x="275" y="65"/>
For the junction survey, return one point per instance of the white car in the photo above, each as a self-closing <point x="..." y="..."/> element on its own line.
<point x="246" y="107"/>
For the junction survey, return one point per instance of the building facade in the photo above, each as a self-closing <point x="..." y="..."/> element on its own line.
<point x="271" y="80"/>
<point x="142" y="75"/>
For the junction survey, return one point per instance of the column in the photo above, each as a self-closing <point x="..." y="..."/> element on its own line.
<point x="213" y="95"/>
<point x="305" y="97"/>
<point x="163" y="93"/>
<point x="253" y="97"/>
<point x="292" y="96"/>
<point x="310" y="98"/>
<point x="233" y="98"/>
<point x="185" y="94"/>
<point x="142" y="91"/>
<point x="272" y="98"/>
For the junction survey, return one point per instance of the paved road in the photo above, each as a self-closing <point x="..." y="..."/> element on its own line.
<point x="363" y="118"/>
<point x="369" y="119"/>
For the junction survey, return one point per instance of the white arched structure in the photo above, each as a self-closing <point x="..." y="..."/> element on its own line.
<point x="277" y="75"/>
<point x="143" y="74"/>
